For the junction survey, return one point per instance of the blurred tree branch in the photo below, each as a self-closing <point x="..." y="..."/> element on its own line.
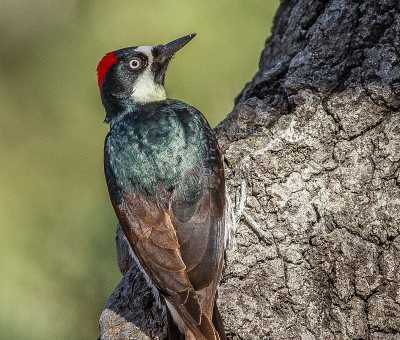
<point x="316" y="135"/>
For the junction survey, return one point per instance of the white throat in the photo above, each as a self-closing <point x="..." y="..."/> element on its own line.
<point x="145" y="89"/>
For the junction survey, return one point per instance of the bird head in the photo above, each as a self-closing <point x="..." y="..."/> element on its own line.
<point x="135" y="75"/>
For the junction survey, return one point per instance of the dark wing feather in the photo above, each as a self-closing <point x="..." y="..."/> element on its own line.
<point x="198" y="220"/>
<point x="152" y="236"/>
<point x="154" y="239"/>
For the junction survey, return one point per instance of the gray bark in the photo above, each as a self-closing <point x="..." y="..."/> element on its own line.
<point x="316" y="136"/>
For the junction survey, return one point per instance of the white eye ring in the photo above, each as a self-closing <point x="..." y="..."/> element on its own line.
<point x="134" y="64"/>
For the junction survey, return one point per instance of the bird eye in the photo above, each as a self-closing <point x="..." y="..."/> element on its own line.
<point x="134" y="64"/>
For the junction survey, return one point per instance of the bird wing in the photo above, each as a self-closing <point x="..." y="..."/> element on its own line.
<point x="152" y="235"/>
<point x="197" y="207"/>
<point x="150" y="232"/>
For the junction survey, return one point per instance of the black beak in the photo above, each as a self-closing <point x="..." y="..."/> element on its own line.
<point x="168" y="50"/>
<point x="163" y="54"/>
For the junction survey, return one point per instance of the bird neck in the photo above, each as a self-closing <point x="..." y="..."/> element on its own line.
<point x="117" y="107"/>
<point x="147" y="90"/>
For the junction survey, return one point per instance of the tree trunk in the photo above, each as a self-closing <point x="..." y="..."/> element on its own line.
<point x="316" y="136"/>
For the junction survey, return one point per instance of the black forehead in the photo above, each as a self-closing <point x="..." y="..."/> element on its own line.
<point x="129" y="52"/>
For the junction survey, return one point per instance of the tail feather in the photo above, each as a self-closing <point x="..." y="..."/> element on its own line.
<point x="185" y="312"/>
<point x="218" y="324"/>
<point x="208" y="329"/>
<point x="201" y="331"/>
<point x="173" y="332"/>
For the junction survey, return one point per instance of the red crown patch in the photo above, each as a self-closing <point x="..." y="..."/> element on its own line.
<point x="104" y="65"/>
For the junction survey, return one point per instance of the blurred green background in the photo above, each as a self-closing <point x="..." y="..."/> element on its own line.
<point x="57" y="256"/>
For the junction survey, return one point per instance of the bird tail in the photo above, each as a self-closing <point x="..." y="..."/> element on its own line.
<point x="199" y="325"/>
<point x="218" y="323"/>
<point x="173" y="332"/>
<point x="203" y="331"/>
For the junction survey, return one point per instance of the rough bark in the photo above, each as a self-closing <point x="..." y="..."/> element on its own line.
<point x="316" y="136"/>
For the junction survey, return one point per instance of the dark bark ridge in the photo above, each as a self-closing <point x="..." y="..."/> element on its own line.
<point x="326" y="47"/>
<point x="316" y="136"/>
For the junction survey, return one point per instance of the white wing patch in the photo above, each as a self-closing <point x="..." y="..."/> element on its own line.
<point x="145" y="89"/>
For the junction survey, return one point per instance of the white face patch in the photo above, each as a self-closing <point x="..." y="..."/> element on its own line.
<point x="145" y="89"/>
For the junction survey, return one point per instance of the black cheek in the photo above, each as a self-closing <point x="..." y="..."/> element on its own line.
<point x="120" y="84"/>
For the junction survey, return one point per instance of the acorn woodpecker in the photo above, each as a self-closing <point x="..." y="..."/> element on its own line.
<point x="165" y="177"/>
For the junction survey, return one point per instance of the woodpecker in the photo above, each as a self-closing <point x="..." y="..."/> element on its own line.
<point x="166" y="183"/>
